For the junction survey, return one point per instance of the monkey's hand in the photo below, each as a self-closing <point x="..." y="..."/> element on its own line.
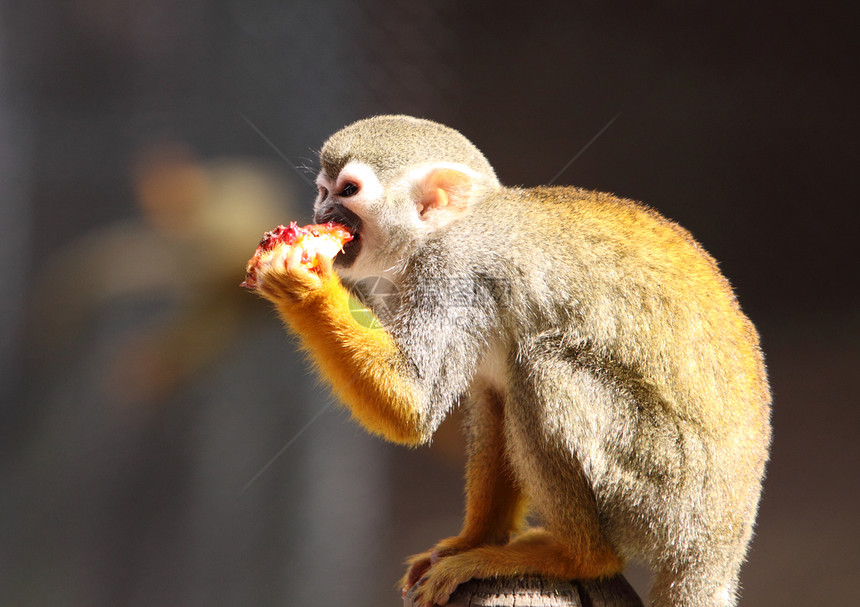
<point x="364" y="365"/>
<point x="295" y="260"/>
<point x="285" y="277"/>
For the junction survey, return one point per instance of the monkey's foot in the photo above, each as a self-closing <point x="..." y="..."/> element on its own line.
<point x="421" y="562"/>
<point x="533" y="553"/>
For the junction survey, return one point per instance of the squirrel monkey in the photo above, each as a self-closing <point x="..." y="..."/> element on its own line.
<point x="613" y="386"/>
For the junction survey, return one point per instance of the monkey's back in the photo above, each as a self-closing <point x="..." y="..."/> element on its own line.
<point x="636" y="314"/>
<point x="637" y="287"/>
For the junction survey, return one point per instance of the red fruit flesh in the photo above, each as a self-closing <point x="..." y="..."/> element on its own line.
<point x="294" y="235"/>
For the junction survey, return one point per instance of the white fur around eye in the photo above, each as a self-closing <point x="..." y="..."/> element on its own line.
<point x="369" y="187"/>
<point x="323" y="183"/>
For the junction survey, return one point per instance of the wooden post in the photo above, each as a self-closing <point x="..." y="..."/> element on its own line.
<point x="536" y="592"/>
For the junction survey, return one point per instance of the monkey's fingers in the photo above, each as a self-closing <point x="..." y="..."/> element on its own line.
<point x="420" y="563"/>
<point x="285" y="275"/>
<point x="418" y="566"/>
<point x="324" y="264"/>
<point x="538" y="554"/>
<point x="319" y="245"/>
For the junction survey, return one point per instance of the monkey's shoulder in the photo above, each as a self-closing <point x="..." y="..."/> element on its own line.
<point x="558" y="214"/>
<point x="568" y="231"/>
<point x="584" y="206"/>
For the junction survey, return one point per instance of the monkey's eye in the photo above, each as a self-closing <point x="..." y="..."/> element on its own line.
<point x="350" y="189"/>
<point x="323" y="193"/>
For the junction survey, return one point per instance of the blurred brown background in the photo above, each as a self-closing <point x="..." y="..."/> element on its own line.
<point x="162" y="442"/>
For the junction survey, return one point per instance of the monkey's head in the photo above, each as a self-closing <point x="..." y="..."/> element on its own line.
<point x="394" y="180"/>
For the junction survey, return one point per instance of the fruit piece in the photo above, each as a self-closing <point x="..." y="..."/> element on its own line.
<point x="325" y="239"/>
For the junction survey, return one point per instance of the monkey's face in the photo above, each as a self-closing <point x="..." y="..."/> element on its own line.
<point x="383" y="220"/>
<point x="394" y="180"/>
<point x="390" y="213"/>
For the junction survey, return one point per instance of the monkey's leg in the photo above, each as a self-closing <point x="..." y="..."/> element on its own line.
<point x="494" y="502"/>
<point x="694" y="585"/>
<point x="535" y="552"/>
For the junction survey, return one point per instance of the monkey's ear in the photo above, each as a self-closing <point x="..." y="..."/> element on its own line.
<point x="446" y="192"/>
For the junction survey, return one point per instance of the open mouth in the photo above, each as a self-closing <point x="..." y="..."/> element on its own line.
<point x="340" y="214"/>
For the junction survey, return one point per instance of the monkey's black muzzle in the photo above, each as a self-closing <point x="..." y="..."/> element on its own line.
<point x="340" y="214"/>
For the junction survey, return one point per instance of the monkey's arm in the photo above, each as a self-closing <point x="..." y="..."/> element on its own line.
<point x="398" y="383"/>
<point x="364" y="366"/>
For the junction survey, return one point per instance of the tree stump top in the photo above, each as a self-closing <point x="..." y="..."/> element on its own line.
<point x="538" y="592"/>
